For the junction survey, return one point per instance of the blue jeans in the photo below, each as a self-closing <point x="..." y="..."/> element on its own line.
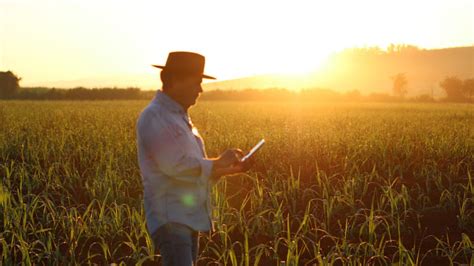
<point x="177" y="244"/>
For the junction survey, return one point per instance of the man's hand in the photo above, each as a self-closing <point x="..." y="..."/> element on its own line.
<point x="228" y="158"/>
<point x="229" y="163"/>
<point x="244" y="166"/>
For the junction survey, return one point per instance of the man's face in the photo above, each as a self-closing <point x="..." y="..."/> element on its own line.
<point x="186" y="89"/>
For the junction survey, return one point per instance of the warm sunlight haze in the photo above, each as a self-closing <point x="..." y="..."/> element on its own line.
<point x="237" y="132"/>
<point x="112" y="43"/>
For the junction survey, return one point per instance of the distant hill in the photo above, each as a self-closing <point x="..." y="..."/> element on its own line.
<point x="369" y="70"/>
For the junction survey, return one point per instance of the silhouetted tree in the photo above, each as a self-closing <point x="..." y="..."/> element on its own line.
<point x="400" y="84"/>
<point x="401" y="48"/>
<point x="468" y="88"/>
<point x="453" y="86"/>
<point x="9" y="84"/>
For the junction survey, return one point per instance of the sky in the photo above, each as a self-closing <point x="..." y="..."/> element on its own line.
<point x="45" y="41"/>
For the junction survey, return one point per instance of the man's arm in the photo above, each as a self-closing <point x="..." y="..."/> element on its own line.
<point x="229" y="163"/>
<point x="166" y="147"/>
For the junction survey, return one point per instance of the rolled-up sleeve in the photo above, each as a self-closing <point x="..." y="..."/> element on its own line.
<point x="166" y="144"/>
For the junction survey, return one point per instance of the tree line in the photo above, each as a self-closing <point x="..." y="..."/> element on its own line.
<point x="79" y="93"/>
<point x="456" y="89"/>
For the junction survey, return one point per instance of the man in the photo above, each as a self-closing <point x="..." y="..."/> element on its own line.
<point x="176" y="173"/>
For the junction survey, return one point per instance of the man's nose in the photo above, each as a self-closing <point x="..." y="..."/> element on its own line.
<point x="200" y="88"/>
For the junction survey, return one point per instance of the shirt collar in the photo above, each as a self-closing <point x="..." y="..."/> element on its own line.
<point x="167" y="102"/>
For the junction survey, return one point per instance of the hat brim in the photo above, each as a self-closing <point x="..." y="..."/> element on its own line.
<point x="204" y="76"/>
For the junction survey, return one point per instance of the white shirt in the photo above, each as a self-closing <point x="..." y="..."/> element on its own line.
<point x="169" y="147"/>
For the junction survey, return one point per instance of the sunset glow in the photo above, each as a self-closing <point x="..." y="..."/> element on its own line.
<point x="46" y="41"/>
<point x="237" y="132"/>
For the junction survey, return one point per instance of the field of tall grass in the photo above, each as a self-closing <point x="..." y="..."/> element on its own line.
<point x="351" y="184"/>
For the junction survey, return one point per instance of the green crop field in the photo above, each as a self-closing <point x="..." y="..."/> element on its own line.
<point x="351" y="184"/>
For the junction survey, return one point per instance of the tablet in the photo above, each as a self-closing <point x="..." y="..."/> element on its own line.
<point x="253" y="150"/>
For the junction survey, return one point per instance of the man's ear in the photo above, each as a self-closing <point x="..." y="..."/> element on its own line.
<point x="166" y="79"/>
